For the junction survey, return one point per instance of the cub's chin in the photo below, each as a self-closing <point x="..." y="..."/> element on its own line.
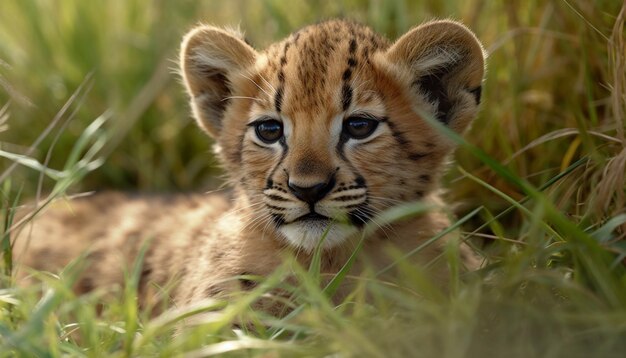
<point x="306" y="233"/>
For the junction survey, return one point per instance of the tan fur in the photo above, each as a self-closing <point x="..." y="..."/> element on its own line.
<point x="312" y="83"/>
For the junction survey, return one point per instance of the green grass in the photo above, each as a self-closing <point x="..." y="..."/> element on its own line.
<point x="89" y="100"/>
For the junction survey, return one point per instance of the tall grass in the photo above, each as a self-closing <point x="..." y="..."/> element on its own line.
<point x="539" y="182"/>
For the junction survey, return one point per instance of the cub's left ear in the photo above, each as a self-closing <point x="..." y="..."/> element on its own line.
<point x="210" y="59"/>
<point x="445" y="64"/>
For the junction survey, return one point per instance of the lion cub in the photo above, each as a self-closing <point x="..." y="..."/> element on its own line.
<point x="318" y="134"/>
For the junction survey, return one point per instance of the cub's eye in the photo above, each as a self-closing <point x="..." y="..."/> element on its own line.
<point x="359" y="127"/>
<point x="269" y="131"/>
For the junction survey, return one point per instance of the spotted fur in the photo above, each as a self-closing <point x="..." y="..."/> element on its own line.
<point x="287" y="123"/>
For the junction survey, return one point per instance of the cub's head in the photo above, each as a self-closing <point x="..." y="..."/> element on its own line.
<point x="324" y="130"/>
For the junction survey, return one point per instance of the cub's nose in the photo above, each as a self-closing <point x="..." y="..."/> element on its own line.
<point x="312" y="194"/>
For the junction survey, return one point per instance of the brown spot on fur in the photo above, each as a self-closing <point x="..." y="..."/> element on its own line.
<point x="416" y="156"/>
<point x="212" y="291"/>
<point x="346" y="96"/>
<point x="247" y="284"/>
<point x="278" y="100"/>
<point x="85" y="284"/>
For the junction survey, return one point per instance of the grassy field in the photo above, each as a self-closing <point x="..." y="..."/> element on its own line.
<point x="89" y="100"/>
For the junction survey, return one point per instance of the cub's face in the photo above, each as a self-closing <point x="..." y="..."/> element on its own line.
<point x="325" y="130"/>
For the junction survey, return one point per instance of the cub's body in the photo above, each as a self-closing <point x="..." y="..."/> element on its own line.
<point x="109" y="229"/>
<point x="197" y="242"/>
<point x="318" y="134"/>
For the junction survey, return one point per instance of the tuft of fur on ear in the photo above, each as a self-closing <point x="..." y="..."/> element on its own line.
<point x="210" y="57"/>
<point x="445" y="64"/>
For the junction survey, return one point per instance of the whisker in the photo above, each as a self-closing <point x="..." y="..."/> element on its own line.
<point x="257" y="85"/>
<point x="236" y="211"/>
<point x="256" y="222"/>
<point x="380" y="198"/>
<point x="267" y="83"/>
<point x="241" y="97"/>
<point x="372" y="214"/>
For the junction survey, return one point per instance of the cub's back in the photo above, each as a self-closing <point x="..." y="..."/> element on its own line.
<point x="109" y="229"/>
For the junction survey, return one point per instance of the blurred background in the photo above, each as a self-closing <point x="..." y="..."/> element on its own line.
<point x="549" y="97"/>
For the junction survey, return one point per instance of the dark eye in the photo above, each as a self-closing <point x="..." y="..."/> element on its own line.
<point x="269" y="131"/>
<point x="359" y="127"/>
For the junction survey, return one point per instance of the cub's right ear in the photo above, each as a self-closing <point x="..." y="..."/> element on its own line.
<point x="210" y="57"/>
<point x="444" y="63"/>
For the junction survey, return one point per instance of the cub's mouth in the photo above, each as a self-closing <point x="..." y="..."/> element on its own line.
<point x="306" y="231"/>
<point x="312" y="216"/>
